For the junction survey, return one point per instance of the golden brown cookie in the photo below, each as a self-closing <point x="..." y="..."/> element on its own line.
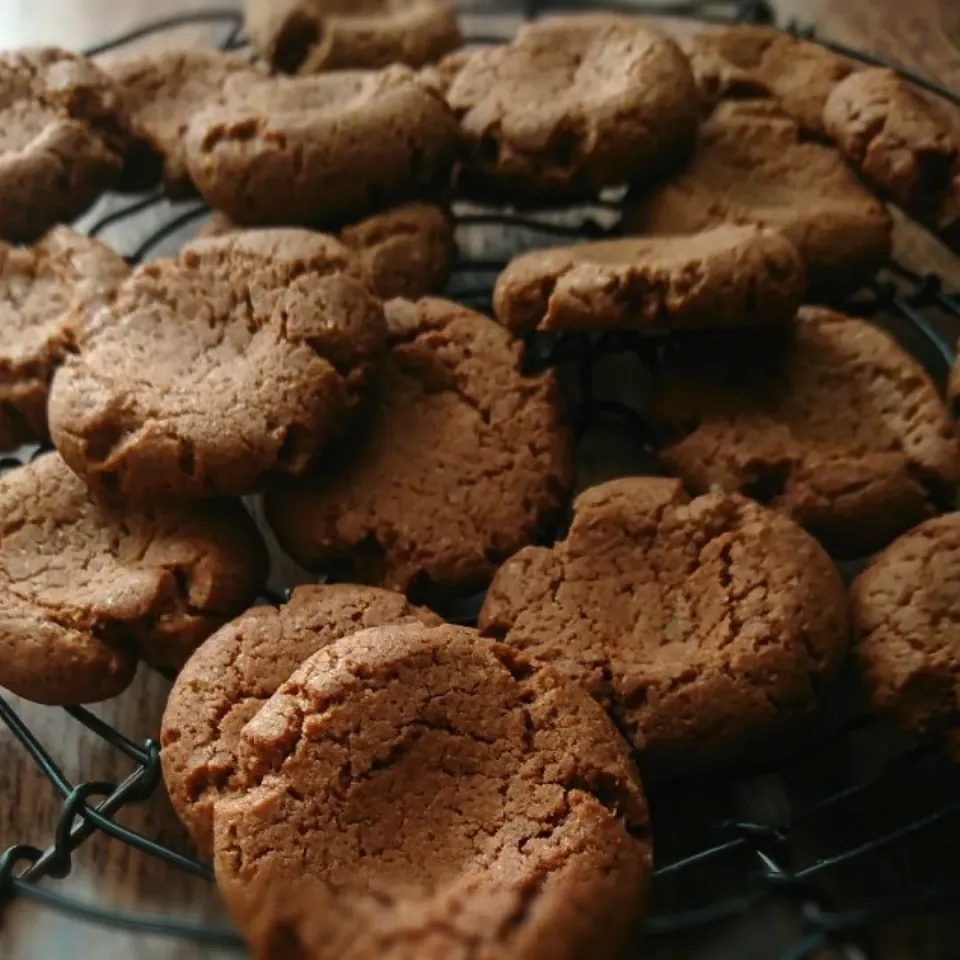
<point x="571" y="105"/>
<point x="698" y="625"/>
<point x="906" y="614"/>
<point x="460" y="461"/>
<point x="210" y="371"/>
<point x="418" y="792"/>
<point x="751" y="166"/>
<point x="88" y="589"/>
<point x="309" y="36"/>
<point x="834" y="425"/>
<point x="726" y="277"/>
<point x="237" y="670"/>
<point x="44" y="289"/>
<point x="320" y="150"/>
<point x="64" y="138"/>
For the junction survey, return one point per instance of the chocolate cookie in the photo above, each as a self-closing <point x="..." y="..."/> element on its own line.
<point x="461" y="460"/>
<point x="906" y="614"/>
<point x="161" y="93"/>
<point x="308" y="36"/>
<point x="236" y="360"/>
<point x="38" y="287"/>
<point x="726" y="277"/>
<point x="234" y="672"/>
<point x="64" y="138"/>
<point x="835" y="425"/>
<point x="320" y="150"/>
<point x="751" y="166"/>
<point x="419" y="792"/>
<point x="748" y="61"/>
<point x="572" y="105"/>
<point x="697" y="624"/>
<point x="87" y="589"/>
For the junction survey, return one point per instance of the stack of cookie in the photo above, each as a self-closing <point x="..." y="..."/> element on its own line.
<point x="368" y="779"/>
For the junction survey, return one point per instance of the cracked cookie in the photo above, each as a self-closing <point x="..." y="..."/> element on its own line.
<point x="698" y="625"/>
<point x="41" y="289"/>
<point x="751" y="166"/>
<point x="88" y="589"/>
<point x="726" y="277"/>
<point x="906" y="615"/>
<point x="64" y="138"/>
<point x="833" y="424"/>
<point x="572" y="105"/>
<point x="416" y="791"/>
<point x="321" y="150"/>
<point x="461" y="460"/>
<point x="237" y="670"/>
<point x="308" y="36"/>
<point x="209" y="372"/>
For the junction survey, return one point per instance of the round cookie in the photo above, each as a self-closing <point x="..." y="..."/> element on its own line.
<point x="906" y="614"/>
<point x="834" y="425"/>
<point x="417" y="791"/>
<point x="751" y="166"/>
<point x="38" y="287"/>
<point x="64" y="138"/>
<point x="236" y="360"/>
<point x="236" y="670"/>
<point x="572" y="105"/>
<point x="726" y="277"/>
<point x="87" y="588"/>
<point x="698" y="624"/>
<point x="161" y="93"/>
<point x="321" y="150"/>
<point x="460" y="463"/>
<point x="309" y="36"/>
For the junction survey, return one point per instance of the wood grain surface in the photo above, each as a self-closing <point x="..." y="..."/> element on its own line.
<point x="920" y="33"/>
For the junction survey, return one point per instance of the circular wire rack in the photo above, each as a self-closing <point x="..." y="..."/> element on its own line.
<point x="846" y="838"/>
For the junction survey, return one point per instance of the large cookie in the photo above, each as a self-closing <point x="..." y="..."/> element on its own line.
<point x="697" y="624"/>
<point x="88" y="589"/>
<point x="751" y="166"/>
<point x="64" y="138"/>
<point x="236" y="360"/>
<point x="236" y="670"/>
<point x="417" y="792"/>
<point x="462" y="460"/>
<point x="906" y="614"/>
<point x="43" y="289"/>
<point x="726" y="277"/>
<point x="572" y="105"/>
<point x="308" y="36"/>
<point x="320" y="150"/>
<point x="835" y="425"/>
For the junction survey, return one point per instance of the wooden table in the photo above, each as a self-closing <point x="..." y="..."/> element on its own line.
<point x="922" y="33"/>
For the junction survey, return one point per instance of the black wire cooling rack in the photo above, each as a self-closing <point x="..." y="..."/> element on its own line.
<point x="842" y="839"/>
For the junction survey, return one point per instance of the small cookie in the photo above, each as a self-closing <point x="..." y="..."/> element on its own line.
<point x="749" y="61"/>
<point x="726" y="277"/>
<point x="38" y="287"/>
<point x="417" y="792"/>
<point x="236" y="360"/>
<point x="906" y="615"/>
<point x="462" y="460"/>
<point x="161" y="93"/>
<point x="572" y="105"/>
<point x="236" y="670"/>
<point x="697" y="624"/>
<point x="320" y="150"/>
<point x="752" y="167"/>
<point x="63" y="142"/>
<point x="87" y="588"/>
<point x="835" y="425"/>
<point x="309" y="36"/>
